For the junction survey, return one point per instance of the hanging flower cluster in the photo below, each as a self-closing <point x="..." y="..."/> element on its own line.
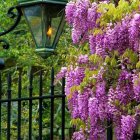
<point x="103" y="85"/>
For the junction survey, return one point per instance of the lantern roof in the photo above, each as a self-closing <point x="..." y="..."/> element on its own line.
<point x="26" y="2"/>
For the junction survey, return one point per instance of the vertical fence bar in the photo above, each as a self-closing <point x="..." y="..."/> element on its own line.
<point x="30" y="104"/>
<point x="109" y="130"/>
<point x="40" y="106"/>
<point x="0" y="104"/>
<point x="52" y="104"/>
<point x="134" y="136"/>
<point x="9" y="106"/>
<point x="19" y="107"/>
<point x="63" y="109"/>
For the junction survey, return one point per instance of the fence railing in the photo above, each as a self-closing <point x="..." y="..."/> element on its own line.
<point x="30" y="99"/>
<point x="40" y="97"/>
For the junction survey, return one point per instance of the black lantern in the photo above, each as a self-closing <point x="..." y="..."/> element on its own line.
<point x="46" y="21"/>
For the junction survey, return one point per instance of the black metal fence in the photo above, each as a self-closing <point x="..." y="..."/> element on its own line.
<point x="8" y="102"/>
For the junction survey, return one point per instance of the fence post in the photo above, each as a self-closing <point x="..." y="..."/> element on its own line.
<point x="134" y="136"/>
<point x="9" y="106"/>
<point x="109" y="130"/>
<point x="40" y="105"/>
<point x="63" y="109"/>
<point x="52" y="103"/>
<point x="19" y="106"/>
<point x="30" y="103"/>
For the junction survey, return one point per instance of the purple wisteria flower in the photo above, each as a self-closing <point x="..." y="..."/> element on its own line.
<point x="121" y="36"/>
<point x="124" y="89"/>
<point x="112" y="108"/>
<point x="83" y="59"/>
<point x="128" y="124"/>
<point x="97" y="116"/>
<point x="76" y="15"/>
<point x="93" y="97"/>
<point x="74" y="77"/>
<point x="73" y="103"/>
<point x="62" y="73"/>
<point x="134" y="32"/>
<point x="101" y="91"/>
<point x="78" y="136"/>
<point x="92" y="16"/>
<point x="70" y="10"/>
<point x="117" y="126"/>
<point x="92" y="43"/>
<point x="83" y="106"/>
<point x="136" y="86"/>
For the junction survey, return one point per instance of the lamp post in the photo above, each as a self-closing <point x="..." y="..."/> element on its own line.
<point x="45" y="19"/>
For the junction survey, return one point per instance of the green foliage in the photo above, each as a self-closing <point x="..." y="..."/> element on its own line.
<point x="22" y="56"/>
<point x="112" y="14"/>
<point x="138" y="65"/>
<point x="78" y="122"/>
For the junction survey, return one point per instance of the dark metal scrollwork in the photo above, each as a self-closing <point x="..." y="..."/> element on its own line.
<point x="17" y="17"/>
<point x="13" y="15"/>
<point x="5" y="44"/>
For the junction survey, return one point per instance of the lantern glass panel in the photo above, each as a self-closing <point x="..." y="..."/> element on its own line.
<point x="33" y="16"/>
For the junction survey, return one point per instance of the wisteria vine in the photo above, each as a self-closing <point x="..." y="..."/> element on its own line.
<point x="103" y="85"/>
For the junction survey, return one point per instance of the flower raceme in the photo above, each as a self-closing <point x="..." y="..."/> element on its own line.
<point x="83" y="17"/>
<point x="104" y="84"/>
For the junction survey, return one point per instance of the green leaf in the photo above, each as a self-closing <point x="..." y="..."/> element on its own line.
<point x="113" y="62"/>
<point x="138" y="65"/>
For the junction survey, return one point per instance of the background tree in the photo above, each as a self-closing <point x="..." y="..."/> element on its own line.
<point x="21" y="56"/>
